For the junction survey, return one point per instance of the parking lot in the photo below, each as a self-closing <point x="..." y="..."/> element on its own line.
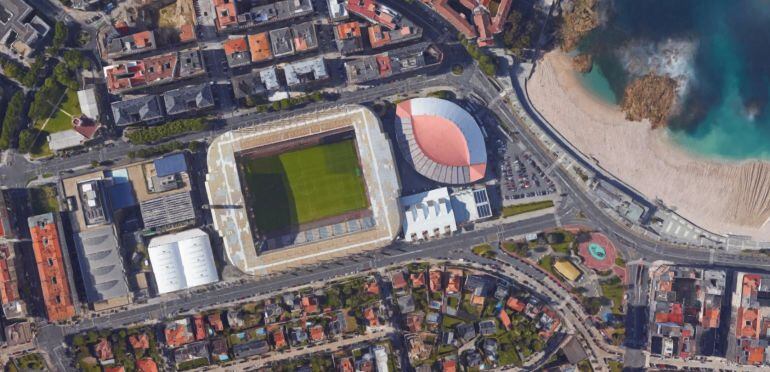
<point x="520" y="176"/>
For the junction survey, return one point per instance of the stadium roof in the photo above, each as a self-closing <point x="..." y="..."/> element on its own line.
<point x="441" y="140"/>
<point x="182" y="260"/>
<point x="100" y="264"/>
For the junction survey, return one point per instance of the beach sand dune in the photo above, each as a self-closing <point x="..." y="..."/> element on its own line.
<point x="720" y="196"/>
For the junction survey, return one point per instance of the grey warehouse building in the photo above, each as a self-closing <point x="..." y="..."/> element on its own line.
<point x="101" y="266"/>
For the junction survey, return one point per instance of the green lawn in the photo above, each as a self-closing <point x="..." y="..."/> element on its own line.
<point x="484" y="250"/>
<point x="304" y="185"/>
<point x="613" y="289"/>
<point x="61" y="120"/>
<point x="513" y="210"/>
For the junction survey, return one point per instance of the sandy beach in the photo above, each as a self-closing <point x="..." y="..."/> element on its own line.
<point x="720" y="196"/>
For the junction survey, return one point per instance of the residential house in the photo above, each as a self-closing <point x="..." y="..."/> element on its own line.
<point x="234" y="319"/>
<point x="103" y="351"/>
<point x="139" y="342"/>
<point x="515" y="304"/>
<point x="215" y="322"/>
<point x="251" y="348"/>
<point x="259" y="45"/>
<point x="317" y="333"/>
<point x="406" y="304"/>
<point x="219" y="350"/>
<point x="466" y="331"/>
<point x="237" y="51"/>
<point x="279" y="340"/>
<point x="177" y="333"/>
<point x="192" y="351"/>
<point x="418" y="279"/>
<point x="146" y="365"/>
<point x="298" y="335"/>
<point x="397" y="278"/>
<point x="145" y="109"/>
<point x="372" y="288"/>
<point x="434" y="280"/>
<point x="370" y="314"/>
<point x="200" y="330"/>
<point x="414" y="321"/>
<point x="487" y="327"/>
<point x="504" y="319"/>
<point x="309" y="304"/>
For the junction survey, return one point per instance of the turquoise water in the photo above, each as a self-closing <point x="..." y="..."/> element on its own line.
<point x="596" y="83"/>
<point x="597" y="251"/>
<point x="724" y="108"/>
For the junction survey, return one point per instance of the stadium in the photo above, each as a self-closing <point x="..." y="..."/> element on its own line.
<point x="441" y="141"/>
<point x="303" y="189"/>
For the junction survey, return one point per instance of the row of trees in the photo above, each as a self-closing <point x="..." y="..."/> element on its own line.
<point x="12" y="120"/>
<point x="151" y="152"/>
<point x="487" y="63"/>
<point x="286" y="103"/>
<point x="171" y="129"/>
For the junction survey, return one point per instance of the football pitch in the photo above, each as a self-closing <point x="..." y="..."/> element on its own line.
<point x="304" y="185"/>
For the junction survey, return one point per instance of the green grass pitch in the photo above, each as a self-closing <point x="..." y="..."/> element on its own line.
<point x="304" y="185"/>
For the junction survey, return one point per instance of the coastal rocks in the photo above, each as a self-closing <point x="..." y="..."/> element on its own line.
<point x="583" y="63"/>
<point x="650" y="97"/>
<point x="579" y="17"/>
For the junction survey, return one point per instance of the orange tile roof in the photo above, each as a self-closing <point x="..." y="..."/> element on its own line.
<point x="348" y="30"/>
<point x="141" y="39"/>
<point x="453" y="286"/>
<point x="146" y="365"/>
<point x="501" y="16"/>
<point x="370" y="10"/>
<point x="215" y="321"/>
<point x="372" y="288"/>
<point x="9" y="287"/>
<point x="53" y="277"/>
<point x="481" y="19"/>
<point x="414" y="322"/>
<point x="477" y="300"/>
<point x="756" y="355"/>
<point x="371" y="317"/>
<point x="114" y="369"/>
<point x="259" y="44"/>
<point x="139" y="342"/>
<point x="309" y="304"/>
<point x="317" y="333"/>
<point x="226" y="13"/>
<point x="177" y="335"/>
<point x="398" y="280"/>
<point x="449" y="365"/>
<point x="711" y="318"/>
<point x="124" y="76"/>
<point x="505" y="319"/>
<point x="103" y="350"/>
<point x="378" y="37"/>
<point x="386" y="69"/>
<point x="346" y="365"/>
<point x="279" y="339"/>
<point x="160" y="67"/>
<point x="515" y="305"/>
<point x="418" y="280"/>
<point x="664" y="286"/>
<point x="235" y="45"/>
<point x="456" y="19"/>
<point x="187" y="33"/>
<point x="200" y="331"/>
<point x="434" y="279"/>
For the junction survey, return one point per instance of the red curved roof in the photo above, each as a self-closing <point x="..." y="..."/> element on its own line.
<point x="441" y="140"/>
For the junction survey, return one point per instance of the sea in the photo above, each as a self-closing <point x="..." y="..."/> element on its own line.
<point x="718" y="51"/>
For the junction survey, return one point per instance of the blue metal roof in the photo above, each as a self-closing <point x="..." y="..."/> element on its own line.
<point x="170" y="164"/>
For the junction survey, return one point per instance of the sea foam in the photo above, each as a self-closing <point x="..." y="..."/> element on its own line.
<point x="672" y="57"/>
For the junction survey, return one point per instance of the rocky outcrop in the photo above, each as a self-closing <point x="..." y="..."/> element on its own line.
<point x="650" y="97"/>
<point x="583" y="63"/>
<point x="579" y="17"/>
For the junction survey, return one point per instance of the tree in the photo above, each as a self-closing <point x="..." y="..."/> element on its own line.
<point x="13" y="119"/>
<point x="27" y="140"/>
<point x="63" y="75"/>
<point x="60" y="35"/>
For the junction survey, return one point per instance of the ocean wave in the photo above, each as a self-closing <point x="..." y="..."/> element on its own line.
<point x="672" y="57"/>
